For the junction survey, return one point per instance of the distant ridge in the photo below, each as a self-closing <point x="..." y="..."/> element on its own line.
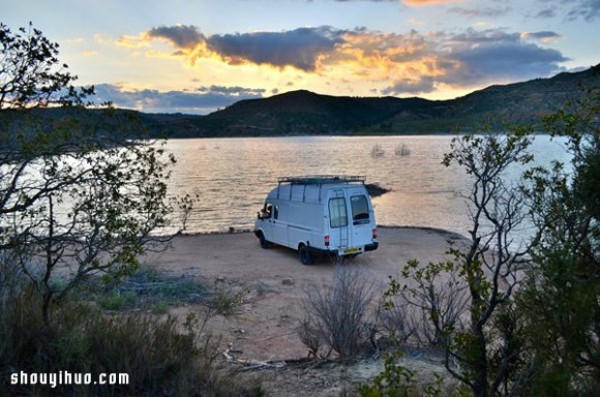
<point x="307" y="113"/>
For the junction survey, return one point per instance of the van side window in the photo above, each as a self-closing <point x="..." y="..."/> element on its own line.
<point x="360" y="209"/>
<point x="275" y="211"/>
<point x="265" y="213"/>
<point x="337" y="212"/>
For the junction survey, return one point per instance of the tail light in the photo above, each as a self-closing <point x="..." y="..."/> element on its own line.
<point x="326" y="241"/>
<point x="374" y="233"/>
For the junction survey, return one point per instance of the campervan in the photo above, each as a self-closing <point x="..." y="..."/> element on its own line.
<point x="330" y="215"/>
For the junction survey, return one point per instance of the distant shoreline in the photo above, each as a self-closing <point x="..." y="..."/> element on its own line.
<point x="407" y="134"/>
<point x="301" y="135"/>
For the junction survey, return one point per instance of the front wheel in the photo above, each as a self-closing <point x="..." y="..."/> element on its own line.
<point x="305" y="256"/>
<point x="264" y="243"/>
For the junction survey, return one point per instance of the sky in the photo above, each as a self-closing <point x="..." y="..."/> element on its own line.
<point x="198" y="56"/>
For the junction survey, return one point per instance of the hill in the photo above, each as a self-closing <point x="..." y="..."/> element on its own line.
<point x="307" y="113"/>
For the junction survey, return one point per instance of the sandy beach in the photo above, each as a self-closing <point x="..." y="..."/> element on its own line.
<point x="273" y="283"/>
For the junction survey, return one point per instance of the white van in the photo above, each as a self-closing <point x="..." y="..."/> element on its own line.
<point x="319" y="215"/>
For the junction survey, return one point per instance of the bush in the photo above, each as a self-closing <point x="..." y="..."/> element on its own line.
<point x="160" y="356"/>
<point x="336" y="317"/>
<point x="398" y="381"/>
<point x="147" y="288"/>
<point x="117" y="300"/>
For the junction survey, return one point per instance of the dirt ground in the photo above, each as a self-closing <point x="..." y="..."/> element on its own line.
<point x="274" y="282"/>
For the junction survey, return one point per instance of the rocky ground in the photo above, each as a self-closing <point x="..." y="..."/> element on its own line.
<point x="272" y="284"/>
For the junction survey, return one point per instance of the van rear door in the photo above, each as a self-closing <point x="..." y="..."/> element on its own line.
<point x="360" y="220"/>
<point x="338" y="221"/>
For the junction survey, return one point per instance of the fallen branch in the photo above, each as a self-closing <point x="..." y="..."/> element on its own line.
<point x="252" y="365"/>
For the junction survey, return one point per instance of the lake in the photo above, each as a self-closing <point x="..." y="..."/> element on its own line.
<point x="232" y="176"/>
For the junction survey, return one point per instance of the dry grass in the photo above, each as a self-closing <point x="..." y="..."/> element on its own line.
<point x="160" y="355"/>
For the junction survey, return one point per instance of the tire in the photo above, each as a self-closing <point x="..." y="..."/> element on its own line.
<point x="264" y="243"/>
<point x="305" y="255"/>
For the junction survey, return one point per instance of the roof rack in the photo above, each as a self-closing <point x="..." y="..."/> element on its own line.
<point x="318" y="180"/>
<point x="322" y="179"/>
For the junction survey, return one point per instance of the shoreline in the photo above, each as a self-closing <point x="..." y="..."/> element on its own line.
<point x="237" y="255"/>
<point x="449" y="233"/>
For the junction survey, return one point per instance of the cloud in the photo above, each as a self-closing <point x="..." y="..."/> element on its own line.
<point x="480" y="12"/>
<point x="543" y="36"/>
<point x="181" y="36"/>
<point x="128" y="41"/>
<point x="204" y="100"/>
<point x="586" y="10"/>
<point x="238" y="91"/>
<point x="409" y="63"/>
<point x="473" y="59"/>
<point x="415" y="3"/>
<point x="484" y="57"/>
<point x="418" y="3"/>
<point x="420" y="85"/>
<point x="504" y="61"/>
<point x="546" y="13"/>
<point x="299" y="48"/>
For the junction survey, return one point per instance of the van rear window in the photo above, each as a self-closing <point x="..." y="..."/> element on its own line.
<point x="337" y="212"/>
<point x="360" y="209"/>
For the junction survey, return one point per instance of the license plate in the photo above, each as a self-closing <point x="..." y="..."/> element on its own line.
<point x="351" y="251"/>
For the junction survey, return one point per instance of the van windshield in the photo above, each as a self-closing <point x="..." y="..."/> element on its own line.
<point x="360" y="209"/>
<point x="337" y="212"/>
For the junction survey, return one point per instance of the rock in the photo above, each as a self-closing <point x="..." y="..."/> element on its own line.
<point x="375" y="190"/>
<point x="287" y="281"/>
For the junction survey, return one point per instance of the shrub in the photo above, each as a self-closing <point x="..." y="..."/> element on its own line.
<point x="398" y="381"/>
<point x="117" y="300"/>
<point x="336" y="317"/>
<point x="395" y="380"/>
<point x="160" y="356"/>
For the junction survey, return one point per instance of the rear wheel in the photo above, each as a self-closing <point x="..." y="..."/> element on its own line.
<point x="305" y="255"/>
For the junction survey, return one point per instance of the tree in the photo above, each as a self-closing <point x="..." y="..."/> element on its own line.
<point x="31" y="74"/>
<point x="561" y="298"/>
<point x="78" y="195"/>
<point x="468" y="300"/>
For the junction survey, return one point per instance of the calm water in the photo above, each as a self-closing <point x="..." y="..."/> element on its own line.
<point x="233" y="175"/>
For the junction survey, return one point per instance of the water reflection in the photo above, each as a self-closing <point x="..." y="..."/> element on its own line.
<point x="233" y="175"/>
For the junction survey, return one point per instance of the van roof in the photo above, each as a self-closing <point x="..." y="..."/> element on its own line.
<point x="322" y="179"/>
<point x="312" y="188"/>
